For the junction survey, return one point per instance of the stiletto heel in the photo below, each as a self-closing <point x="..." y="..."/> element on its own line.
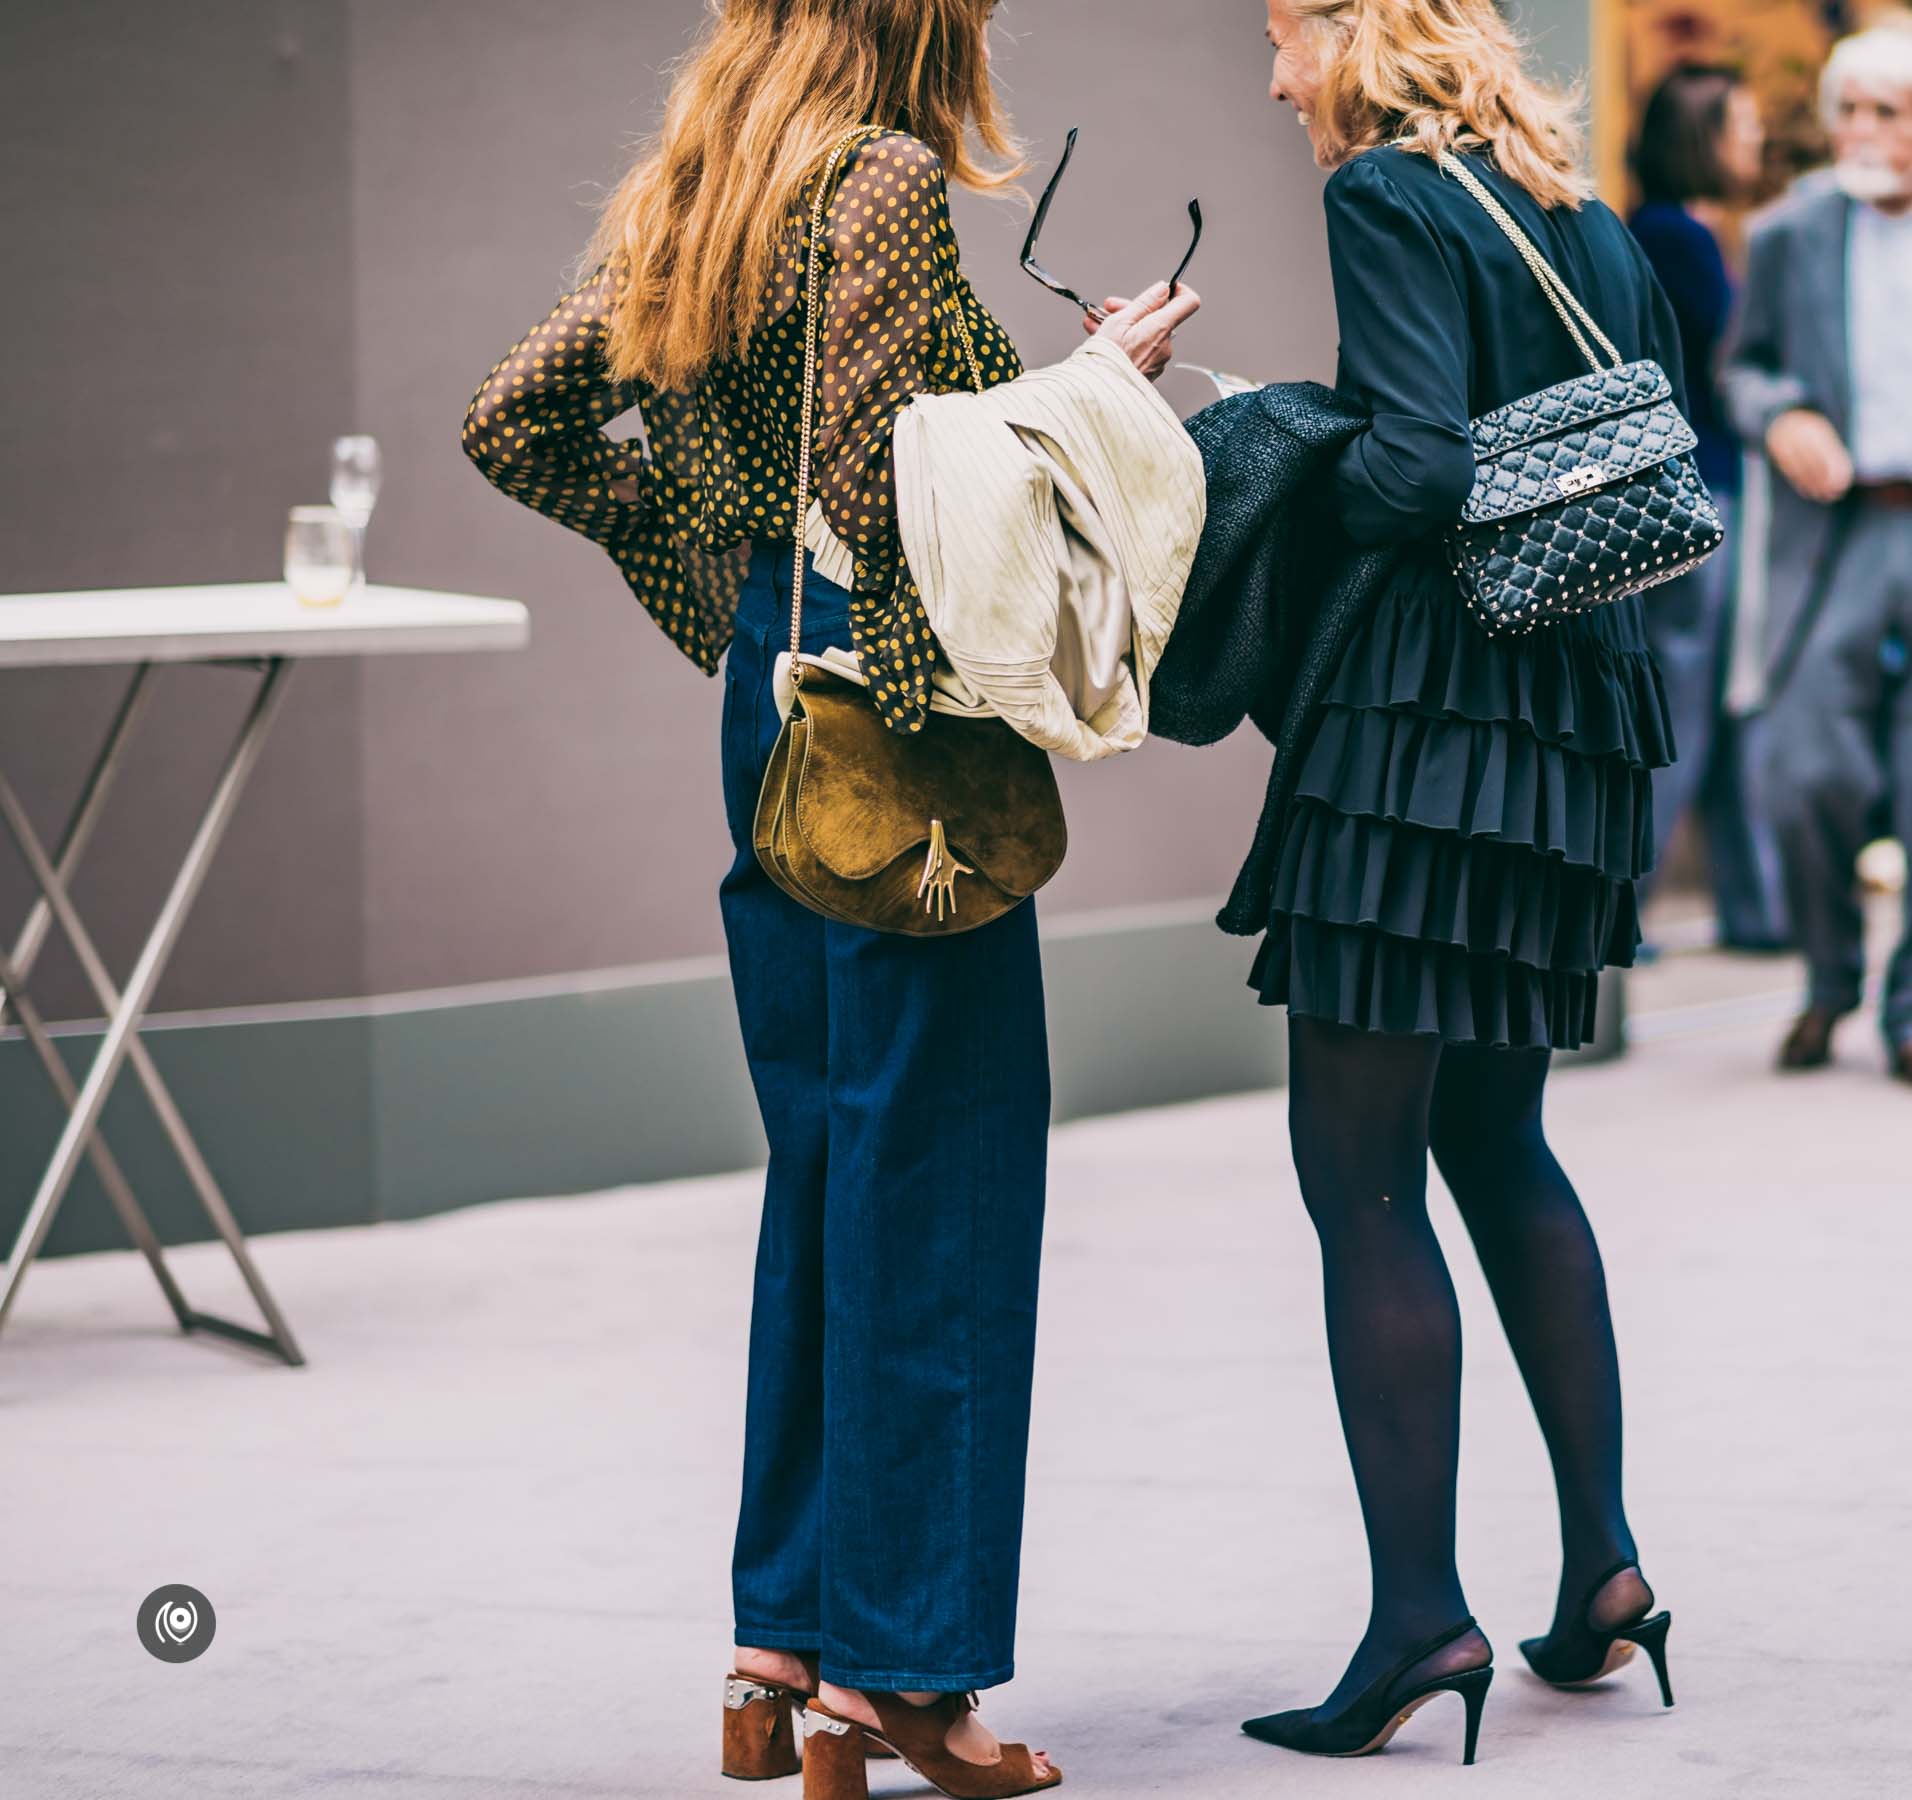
<point x="760" y="1741"/>
<point x="1472" y="1689"/>
<point x="1650" y="1635"/>
<point x="1589" y="1653"/>
<point x="835" y="1757"/>
<point x="1383" y="1707"/>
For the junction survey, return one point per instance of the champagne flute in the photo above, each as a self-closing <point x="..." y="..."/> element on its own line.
<point x="320" y="555"/>
<point x="355" y="479"/>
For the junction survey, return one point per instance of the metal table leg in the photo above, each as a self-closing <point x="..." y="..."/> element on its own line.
<point x="79" y="830"/>
<point x="121" y="1042"/>
<point x="15" y="969"/>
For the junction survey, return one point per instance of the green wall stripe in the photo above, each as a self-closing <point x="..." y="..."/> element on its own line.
<point x="347" y="1113"/>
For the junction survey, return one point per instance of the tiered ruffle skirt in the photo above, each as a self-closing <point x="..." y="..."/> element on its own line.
<point x="1471" y="818"/>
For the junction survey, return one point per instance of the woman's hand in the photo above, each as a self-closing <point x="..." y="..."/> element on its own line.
<point x="1144" y="328"/>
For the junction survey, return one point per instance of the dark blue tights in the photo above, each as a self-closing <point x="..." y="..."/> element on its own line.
<point x="1364" y="1110"/>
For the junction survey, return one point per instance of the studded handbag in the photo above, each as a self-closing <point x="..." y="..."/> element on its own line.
<point x="924" y="834"/>
<point x="1585" y="492"/>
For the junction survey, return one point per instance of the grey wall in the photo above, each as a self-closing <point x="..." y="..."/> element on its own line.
<point x="239" y="227"/>
<point x="1561" y="32"/>
<point x="177" y="324"/>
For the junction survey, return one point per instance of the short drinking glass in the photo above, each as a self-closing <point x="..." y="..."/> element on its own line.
<point x="321" y="555"/>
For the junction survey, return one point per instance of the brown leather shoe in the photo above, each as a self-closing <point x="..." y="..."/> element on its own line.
<point x="761" y="1720"/>
<point x="1902" y="1061"/>
<point x="1809" y="1044"/>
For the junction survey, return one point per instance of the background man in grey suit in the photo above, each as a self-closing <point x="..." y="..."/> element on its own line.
<point x="1819" y="375"/>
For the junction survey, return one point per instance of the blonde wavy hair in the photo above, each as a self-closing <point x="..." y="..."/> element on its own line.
<point x="694" y="228"/>
<point x="1444" y="75"/>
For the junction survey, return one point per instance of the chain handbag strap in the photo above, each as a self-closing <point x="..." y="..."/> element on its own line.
<point x="826" y="187"/>
<point x="1551" y="282"/>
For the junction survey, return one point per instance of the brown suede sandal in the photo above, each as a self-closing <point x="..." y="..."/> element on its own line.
<point x="760" y="1741"/>
<point x="760" y="1738"/>
<point x="835" y="1756"/>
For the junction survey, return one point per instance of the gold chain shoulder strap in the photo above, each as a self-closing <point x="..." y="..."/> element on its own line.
<point x="1551" y="282"/>
<point x="969" y="343"/>
<point x="812" y="332"/>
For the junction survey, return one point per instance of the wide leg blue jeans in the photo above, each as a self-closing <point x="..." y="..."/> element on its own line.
<point x="904" y="1087"/>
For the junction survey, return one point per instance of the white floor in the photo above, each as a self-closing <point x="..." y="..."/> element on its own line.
<point x="478" y="1548"/>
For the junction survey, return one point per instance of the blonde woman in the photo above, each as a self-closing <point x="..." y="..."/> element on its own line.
<point x="1471" y="816"/>
<point x="904" y="1082"/>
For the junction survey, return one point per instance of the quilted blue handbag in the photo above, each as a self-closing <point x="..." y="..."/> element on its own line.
<point x="1585" y="492"/>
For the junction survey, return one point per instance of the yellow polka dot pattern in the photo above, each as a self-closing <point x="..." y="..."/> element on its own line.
<point x="720" y="474"/>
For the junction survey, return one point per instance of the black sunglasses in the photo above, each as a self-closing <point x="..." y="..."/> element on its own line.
<point x="1031" y="267"/>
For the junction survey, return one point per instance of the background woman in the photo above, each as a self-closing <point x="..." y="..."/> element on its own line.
<point x="1701" y="146"/>
<point x="903" y="1082"/>
<point x="1471" y="817"/>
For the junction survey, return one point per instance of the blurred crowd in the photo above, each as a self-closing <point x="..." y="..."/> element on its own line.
<point x="1786" y="658"/>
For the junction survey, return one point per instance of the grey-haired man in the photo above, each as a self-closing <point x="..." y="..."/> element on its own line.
<point x="1818" y="374"/>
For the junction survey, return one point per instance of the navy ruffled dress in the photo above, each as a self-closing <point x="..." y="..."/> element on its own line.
<point x="1471" y="814"/>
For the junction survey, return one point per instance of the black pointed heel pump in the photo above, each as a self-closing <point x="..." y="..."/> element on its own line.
<point x="1589" y="1653"/>
<point x="1383" y="1707"/>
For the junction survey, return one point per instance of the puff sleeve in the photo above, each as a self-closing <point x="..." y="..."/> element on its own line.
<point x="535" y="430"/>
<point x="1406" y="354"/>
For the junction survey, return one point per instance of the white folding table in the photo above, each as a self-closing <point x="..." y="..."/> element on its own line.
<point x="252" y="627"/>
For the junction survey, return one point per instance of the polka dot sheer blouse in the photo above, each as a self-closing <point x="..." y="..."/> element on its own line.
<point x="721" y="469"/>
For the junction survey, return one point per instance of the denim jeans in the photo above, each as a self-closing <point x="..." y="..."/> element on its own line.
<point x="904" y="1087"/>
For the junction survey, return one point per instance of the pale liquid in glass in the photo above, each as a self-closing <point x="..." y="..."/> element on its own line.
<point x="318" y="583"/>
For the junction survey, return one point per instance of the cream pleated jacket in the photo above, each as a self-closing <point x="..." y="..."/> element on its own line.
<point x="1050" y="523"/>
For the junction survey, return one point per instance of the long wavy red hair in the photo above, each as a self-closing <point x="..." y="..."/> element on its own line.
<point x="771" y="85"/>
